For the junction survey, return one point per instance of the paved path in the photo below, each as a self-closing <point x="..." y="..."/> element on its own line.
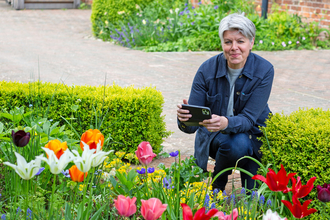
<point x="60" y="42"/>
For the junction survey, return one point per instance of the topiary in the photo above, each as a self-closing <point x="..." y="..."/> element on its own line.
<point x="300" y="141"/>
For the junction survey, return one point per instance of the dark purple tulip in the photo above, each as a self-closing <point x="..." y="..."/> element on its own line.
<point x="323" y="193"/>
<point x="20" y="138"/>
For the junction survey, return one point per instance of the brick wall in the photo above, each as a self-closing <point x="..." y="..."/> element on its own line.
<point x="311" y="10"/>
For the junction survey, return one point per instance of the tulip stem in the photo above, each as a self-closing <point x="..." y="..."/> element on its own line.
<point x="146" y="181"/>
<point x="90" y="193"/>
<point x="52" y="202"/>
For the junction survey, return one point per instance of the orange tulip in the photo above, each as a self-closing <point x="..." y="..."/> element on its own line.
<point x="57" y="147"/>
<point x="76" y="175"/>
<point x="91" y="138"/>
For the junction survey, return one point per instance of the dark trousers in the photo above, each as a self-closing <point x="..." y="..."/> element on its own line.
<point x="226" y="149"/>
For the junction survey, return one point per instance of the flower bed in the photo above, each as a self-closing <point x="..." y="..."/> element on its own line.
<point x="50" y="176"/>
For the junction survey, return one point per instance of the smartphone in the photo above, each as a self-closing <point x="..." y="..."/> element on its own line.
<point x="199" y="114"/>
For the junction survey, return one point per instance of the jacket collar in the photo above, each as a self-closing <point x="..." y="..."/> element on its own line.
<point x="247" y="70"/>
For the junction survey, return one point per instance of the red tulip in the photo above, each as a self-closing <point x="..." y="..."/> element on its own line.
<point x="323" y="193"/>
<point x="152" y="209"/>
<point x="199" y="215"/>
<point x="20" y="138"/>
<point x="125" y="205"/>
<point x="276" y="182"/>
<point x="296" y="209"/>
<point x="301" y="190"/>
<point x="144" y="153"/>
<point x="232" y="216"/>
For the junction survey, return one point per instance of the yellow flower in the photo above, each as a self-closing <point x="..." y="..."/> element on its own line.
<point x="121" y="12"/>
<point x="120" y="154"/>
<point x="101" y="32"/>
<point x="81" y="187"/>
<point x="144" y="21"/>
<point x="106" y="22"/>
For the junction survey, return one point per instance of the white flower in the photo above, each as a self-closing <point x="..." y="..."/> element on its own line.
<point x="289" y="42"/>
<point x="144" y="21"/>
<point x="283" y="44"/>
<point x="273" y="43"/>
<point x="84" y="161"/>
<point x="56" y="165"/>
<point x="121" y="12"/>
<point x="177" y="10"/>
<point x="25" y="170"/>
<point x="303" y="38"/>
<point x="261" y="41"/>
<point x="272" y="216"/>
<point x="171" y="11"/>
<point x="99" y="156"/>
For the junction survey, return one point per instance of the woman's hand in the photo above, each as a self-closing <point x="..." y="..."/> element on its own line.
<point x="216" y="123"/>
<point x="183" y="114"/>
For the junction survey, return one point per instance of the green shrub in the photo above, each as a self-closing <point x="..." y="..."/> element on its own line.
<point x="126" y="115"/>
<point x="300" y="141"/>
<point x="113" y="10"/>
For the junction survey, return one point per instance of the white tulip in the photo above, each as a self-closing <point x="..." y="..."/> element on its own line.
<point x="272" y="216"/>
<point x="84" y="161"/>
<point x="99" y="155"/>
<point x="23" y="169"/>
<point x="56" y="165"/>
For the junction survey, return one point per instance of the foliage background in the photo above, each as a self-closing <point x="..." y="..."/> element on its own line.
<point x="176" y="25"/>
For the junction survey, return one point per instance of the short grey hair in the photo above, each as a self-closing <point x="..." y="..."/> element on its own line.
<point x="237" y="22"/>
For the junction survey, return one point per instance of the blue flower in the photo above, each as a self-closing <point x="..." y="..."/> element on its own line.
<point x="216" y="7"/>
<point x="186" y="9"/>
<point x="269" y="202"/>
<point x="181" y="13"/>
<point x="207" y="201"/>
<point x="199" y="3"/>
<point x="243" y="190"/>
<point x="254" y="194"/>
<point x="192" y="7"/>
<point x="142" y="171"/>
<point x="212" y="205"/>
<point x="151" y="170"/>
<point x="50" y="120"/>
<point x="167" y="183"/>
<point x="66" y="173"/>
<point x="18" y="210"/>
<point x="3" y="217"/>
<point x="192" y="23"/>
<point x="174" y="154"/>
<point x="262" y="200"/>
<point x="215" y="191"/>
<point x="224" y="193"/>
<point x="30" y="105"/>
<point x="232" y="198"/>
<point x="40" y="171"/>
<point x="28" y="213"/>
<point x="185" y="4"/>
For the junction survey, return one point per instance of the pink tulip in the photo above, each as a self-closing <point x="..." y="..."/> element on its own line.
<point x="222" y="216"/>
<point x="144" y="153"/>
<point x="125" y="206"/>
<point x="152" y="209"/>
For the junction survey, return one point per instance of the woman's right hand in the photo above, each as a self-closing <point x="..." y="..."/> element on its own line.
<point x="183" y="114"/>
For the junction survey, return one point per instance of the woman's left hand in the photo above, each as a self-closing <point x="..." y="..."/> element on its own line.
<point x="216" y="123"/>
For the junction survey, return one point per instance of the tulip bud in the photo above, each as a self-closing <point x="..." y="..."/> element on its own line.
<point x="20" y="138"/>
<point x="323" y="193"/>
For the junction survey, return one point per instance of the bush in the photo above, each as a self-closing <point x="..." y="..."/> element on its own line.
<point x="113" y="11"/>
<point x="300" y="141"/>
<point x="126" y="115"/>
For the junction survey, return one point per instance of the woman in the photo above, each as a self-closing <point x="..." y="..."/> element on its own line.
<point x="235" y="85"/>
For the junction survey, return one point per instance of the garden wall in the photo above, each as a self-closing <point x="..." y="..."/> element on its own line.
<point x="313" y="10"/>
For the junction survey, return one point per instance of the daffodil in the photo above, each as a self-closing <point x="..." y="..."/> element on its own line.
<point x="56" y="165"/>
<point x="25" y="170"/>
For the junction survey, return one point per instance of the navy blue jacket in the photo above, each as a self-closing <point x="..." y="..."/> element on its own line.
<point x="211" y="88"/>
